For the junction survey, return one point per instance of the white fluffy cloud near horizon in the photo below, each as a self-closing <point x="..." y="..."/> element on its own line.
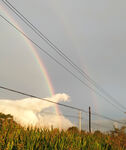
<point x="30" y="112"/>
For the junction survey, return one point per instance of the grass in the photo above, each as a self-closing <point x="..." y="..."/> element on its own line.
<point x="15" y="137"/>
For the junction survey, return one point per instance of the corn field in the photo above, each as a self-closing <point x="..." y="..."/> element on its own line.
<point x="15" y="137"/>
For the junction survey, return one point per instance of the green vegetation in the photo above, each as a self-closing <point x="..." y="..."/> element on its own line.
<point x="15" y="137"/>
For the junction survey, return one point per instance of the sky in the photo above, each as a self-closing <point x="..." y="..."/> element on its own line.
<point x="91" y="33"/>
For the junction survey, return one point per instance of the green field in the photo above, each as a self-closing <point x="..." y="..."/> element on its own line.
<point x="15" y="137"/>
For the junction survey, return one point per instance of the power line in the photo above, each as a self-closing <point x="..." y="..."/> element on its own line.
<point x="99" y="124"/>
<point x="75" y="117"/>
<point x="68" y="106"/>
<point x="59" y="63"/>
<point x="59" y="51"/>
<point x="60" y="114"/>
<point x="72" y="116"/>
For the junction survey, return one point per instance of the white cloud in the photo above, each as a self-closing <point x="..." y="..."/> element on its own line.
<point x="28" y="112"/>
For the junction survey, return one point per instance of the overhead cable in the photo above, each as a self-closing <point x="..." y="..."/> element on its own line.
<point x="63" y="66"/>
<point x="60" y="104"/>
<point x="60" y="52"/>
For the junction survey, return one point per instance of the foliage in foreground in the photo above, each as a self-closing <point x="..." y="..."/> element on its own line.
<point x="14" y="137"/>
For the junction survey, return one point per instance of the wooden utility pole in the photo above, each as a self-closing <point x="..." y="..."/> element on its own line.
<point x="89" y="119"/>
<point x="51" y="127"/>
<point x="79" y="120"/>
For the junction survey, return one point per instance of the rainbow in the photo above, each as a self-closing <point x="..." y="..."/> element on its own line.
<point x="72" y="36"/>
<point x="37" y="58"/>
<point x="35" y="54"/>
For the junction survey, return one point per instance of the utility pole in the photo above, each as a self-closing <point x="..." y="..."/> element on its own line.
<point x="90" y="119"/>
<point x="51" y="127"/>
<point x="80" y="120"/>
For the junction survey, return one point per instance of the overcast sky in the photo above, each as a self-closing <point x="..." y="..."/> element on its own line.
<point x="91" y="33"/>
